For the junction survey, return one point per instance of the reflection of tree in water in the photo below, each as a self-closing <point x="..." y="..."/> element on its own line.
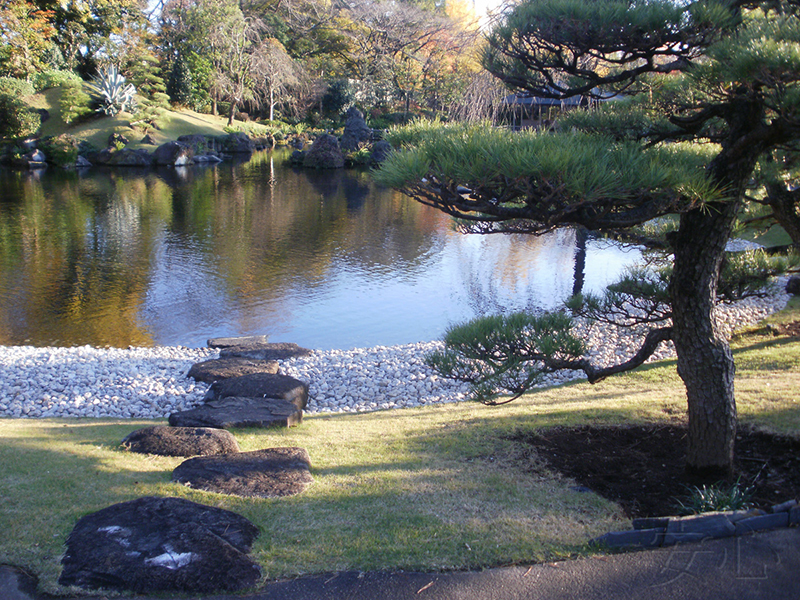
<point x="218" y="249"/>
<point x="498" y="276"/>
<point x="82" y="261"/>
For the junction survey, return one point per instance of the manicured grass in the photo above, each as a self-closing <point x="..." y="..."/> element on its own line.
<point x="97" y="128"/>
<point x="442" y="487"/>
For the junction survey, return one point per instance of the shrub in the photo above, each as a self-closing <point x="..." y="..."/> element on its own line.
<point x="112" y="91"/>
<point x="17" y="120"/>
<point x="74" y="101"/>
<point x="54" y="78"/>
<point x="61" y="150"/>
<point x="16" y="88"/>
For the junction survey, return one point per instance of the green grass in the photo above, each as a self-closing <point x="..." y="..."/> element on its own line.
<point x="441" y="487"/>
<point x="96" y="128"/>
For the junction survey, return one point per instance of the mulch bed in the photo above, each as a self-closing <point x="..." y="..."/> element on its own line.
<point x="643" y="468"/>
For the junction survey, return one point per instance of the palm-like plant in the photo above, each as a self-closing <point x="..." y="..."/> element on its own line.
<point x="112" y="91"/>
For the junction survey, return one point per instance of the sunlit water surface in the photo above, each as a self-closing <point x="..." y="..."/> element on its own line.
<point x="322" y="258"/>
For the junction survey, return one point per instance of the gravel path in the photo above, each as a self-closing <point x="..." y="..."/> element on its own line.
<point x="151" y="382"/>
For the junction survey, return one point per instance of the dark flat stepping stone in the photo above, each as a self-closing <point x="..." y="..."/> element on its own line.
<point x="276" y="351"/>
<point x="261" y="385"/>
<point x="234" y="411"/>
<point x="199" y="440"/>
<point x="225" y="342"/>
<point x="161" y="544"/>
<point x="218" y="369"/>
<point x="268" y="473"/>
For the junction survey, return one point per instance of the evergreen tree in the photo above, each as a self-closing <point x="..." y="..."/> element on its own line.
<point x="710" y="88"/>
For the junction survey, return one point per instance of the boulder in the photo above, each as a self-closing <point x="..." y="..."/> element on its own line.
<point x="198" y="143"/>
<point x="161" y="545"/>
<point x="793" y="286"/>
<point x="237" y="143"/>
<point x="218" y="369"/>
<point x="380" y="152"/>
<point x="234" y="412"/>
<point x="270" y="473"/>
<point x="265" y="351"/>
<point x="82" y="163"/>
<point x="148" y="139"/>
<point x="123" y="158"/>
<point x="324" y="154"/>
<point x="181" y="441"/>
<point x="173" y="154"/>
<point x="356" y="131"/>
<point x="261" y="385"/>
<point x="117" y="140"/>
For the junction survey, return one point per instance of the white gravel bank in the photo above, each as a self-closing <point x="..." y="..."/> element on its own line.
<point x="152" y="382"/>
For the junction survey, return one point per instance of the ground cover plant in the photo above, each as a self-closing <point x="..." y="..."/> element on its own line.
<point x="455" y="486"/>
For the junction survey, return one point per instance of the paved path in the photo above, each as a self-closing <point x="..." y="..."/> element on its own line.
<point x="762" y="566"/>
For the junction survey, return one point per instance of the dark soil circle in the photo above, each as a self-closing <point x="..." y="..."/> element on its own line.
<point x="642" y="468"/>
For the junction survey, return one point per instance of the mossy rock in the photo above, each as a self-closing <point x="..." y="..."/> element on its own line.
<point x="61" y="150"/>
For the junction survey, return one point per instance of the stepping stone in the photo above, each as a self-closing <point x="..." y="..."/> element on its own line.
<point x="261" y="385"/>
<point x="161" y="544"/>
<point x="218" y="369"/>
<point x="277" y="351"/>
<point x="181" y="441"/>
<point x="234" y="411"/>
<point x="268" y="473"/>
<point x="225" y="342"/>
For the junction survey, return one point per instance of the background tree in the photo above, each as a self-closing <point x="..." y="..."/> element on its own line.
<point x="25" y="33"/>
<point x="728" y="75"/>
<point x="274" y="73"/>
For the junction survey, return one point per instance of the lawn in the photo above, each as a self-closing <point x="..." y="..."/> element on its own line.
<point x="442" y="487"/>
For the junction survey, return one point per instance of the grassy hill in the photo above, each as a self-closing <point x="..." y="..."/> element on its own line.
<point x="95" y="129"/>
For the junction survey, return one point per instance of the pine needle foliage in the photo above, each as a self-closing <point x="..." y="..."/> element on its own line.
<point x="507" y="354"/>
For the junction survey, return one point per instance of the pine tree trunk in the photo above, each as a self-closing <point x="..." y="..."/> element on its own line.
<point x="705" y="360"/>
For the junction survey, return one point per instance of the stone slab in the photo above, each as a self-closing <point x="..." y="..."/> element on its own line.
<point x="763" y="522"/>
<point x="218" y="369"/>
<point x="225" y="342"/>
<point x="180" y="441"/>
<point x="261" y="385"/>
<point x="270" y="473"/>
<point x="161" y="545"/>
<point x="234" y="411"/>
<point x="651" y="523"/>
<point x="697" y="528"/>
<point x="275" y="351"/>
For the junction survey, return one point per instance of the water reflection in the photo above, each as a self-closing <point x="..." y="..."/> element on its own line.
<point x="322" y="258"/>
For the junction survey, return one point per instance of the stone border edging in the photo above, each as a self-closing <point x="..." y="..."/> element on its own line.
<point x="669" y="531"/>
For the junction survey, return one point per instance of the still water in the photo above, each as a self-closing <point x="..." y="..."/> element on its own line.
<point x="322" y="258"/>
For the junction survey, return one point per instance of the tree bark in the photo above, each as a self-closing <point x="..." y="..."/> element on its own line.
<point x="705" y="360"/>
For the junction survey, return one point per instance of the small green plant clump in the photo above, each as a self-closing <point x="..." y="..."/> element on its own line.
<point x="716" y="497"/>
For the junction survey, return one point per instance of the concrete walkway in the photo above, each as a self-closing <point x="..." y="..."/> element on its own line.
<point x="757" y="566"/>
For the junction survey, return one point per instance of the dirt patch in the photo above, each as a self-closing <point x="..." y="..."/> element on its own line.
<point x="791" y="329"/>
<point x="642" y="468"/>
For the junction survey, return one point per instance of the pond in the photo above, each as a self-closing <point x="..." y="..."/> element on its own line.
<point x="325" y="259"/>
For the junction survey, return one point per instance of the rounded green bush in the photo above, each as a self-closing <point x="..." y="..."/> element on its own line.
<point x="17" y="120"/>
